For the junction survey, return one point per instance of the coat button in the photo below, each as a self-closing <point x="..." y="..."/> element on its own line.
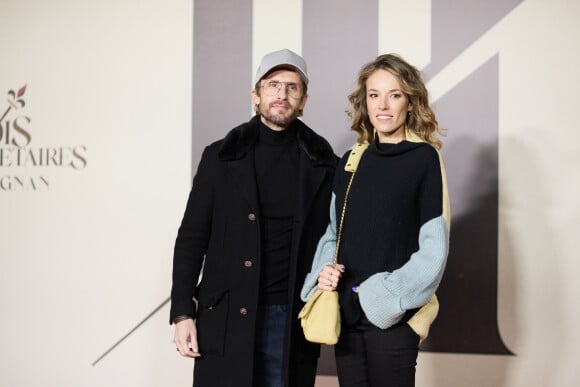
<point x="243" y="311"/>
<point x="252" y="216"/>
<point x="248" y="263"/>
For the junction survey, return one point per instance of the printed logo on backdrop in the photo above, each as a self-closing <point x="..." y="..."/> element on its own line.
<point x="24" y="164"/>
<point x="335" y="45"/>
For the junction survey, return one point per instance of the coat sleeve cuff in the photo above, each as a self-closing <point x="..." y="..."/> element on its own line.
<point x="181" y="318"/>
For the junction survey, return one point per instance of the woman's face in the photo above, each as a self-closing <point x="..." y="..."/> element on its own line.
<point x="387" y="106"/>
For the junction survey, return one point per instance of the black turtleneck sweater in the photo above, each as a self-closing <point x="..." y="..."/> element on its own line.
<point x="396" y="190"/>
<point x="276" y="164"/>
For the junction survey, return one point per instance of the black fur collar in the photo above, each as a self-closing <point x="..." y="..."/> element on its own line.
<point x="242" y="138"/>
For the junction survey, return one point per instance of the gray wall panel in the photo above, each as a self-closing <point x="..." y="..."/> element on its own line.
<point x="222" y="69"/>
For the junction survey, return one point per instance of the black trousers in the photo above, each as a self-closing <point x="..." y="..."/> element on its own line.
<point x="367" y="356"/>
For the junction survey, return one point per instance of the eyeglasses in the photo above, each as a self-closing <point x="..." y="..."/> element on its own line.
<point x="272" y="88"/>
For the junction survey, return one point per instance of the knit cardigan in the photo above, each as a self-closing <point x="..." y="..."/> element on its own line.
<point x="395" y="236"/>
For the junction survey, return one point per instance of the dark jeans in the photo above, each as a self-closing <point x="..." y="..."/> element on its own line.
<point x="269" y="347"/>
<point x="367" y="356"/>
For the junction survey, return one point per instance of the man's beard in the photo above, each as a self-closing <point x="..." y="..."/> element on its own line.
<point x="278" y="120"/>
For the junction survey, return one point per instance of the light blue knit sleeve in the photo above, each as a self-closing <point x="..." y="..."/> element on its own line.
<point x="324" y="254"/>
<point x="385" y="297"/>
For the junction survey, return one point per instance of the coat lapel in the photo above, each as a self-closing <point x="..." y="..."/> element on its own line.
<point x="315" y="157"/>
<point x="309" y="181"/>
<point x="244" y="176"/>
<point x="238" y="152"/>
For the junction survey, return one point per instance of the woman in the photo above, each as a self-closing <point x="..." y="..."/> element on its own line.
<point x="395" y="233"/>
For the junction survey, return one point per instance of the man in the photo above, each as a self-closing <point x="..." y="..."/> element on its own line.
<point x="258" y="205"/>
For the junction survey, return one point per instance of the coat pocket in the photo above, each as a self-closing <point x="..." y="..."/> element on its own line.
<point x="212" y="318"/>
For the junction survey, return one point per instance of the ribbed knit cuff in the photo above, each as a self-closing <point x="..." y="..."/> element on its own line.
<point x="381" y="310"/>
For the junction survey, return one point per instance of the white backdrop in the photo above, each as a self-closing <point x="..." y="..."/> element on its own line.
<point x="86" y="258"/>
<point x="84" y="261"/>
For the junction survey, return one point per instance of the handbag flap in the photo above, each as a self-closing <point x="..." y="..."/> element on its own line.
<point x="308" y="306"/>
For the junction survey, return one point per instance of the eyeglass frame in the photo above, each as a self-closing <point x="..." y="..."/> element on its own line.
<point x="266" y="83"/>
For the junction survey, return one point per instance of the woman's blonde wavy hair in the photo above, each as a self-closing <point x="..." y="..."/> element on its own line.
<point x="420" y="119"/>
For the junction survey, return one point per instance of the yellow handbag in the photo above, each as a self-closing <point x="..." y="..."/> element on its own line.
<point x="320" y="317"/>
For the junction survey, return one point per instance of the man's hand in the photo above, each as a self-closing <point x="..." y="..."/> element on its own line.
<point x="186" y="338"/>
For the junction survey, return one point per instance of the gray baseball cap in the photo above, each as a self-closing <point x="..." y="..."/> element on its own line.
<point x="282" y="58"/>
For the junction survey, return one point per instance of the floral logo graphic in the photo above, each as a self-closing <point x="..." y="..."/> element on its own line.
<point x="22" y="166"/>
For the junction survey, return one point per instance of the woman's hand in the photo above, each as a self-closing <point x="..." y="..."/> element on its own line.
<point x="329" y="276"/>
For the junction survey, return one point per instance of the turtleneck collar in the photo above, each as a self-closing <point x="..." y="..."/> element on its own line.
<point x="389" y="149"/>
<point x="276" y="137"/>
